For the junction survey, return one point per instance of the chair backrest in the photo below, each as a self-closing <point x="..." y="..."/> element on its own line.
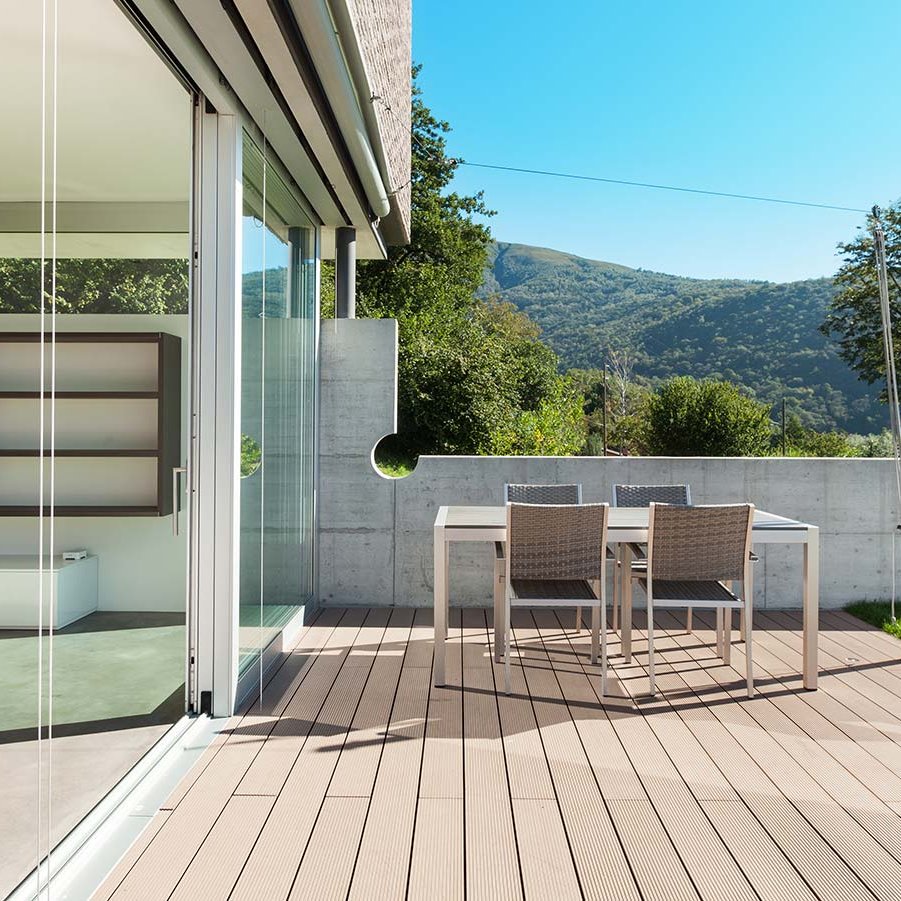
<point x="542" y="494"/>
<point x="699" y="544"/>
<point x="556" y="541"/>
<point x="645" y="495"/>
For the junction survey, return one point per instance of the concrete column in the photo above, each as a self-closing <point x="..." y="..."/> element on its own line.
<point x="345" y="273"/>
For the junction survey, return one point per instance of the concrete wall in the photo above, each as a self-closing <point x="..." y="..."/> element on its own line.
<point x="376" y="533"/>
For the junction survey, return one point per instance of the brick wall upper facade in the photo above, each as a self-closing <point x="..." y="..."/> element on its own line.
<point x="384" y="30"/>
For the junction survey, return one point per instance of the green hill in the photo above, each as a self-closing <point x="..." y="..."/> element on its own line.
<point x="758" y="334"/>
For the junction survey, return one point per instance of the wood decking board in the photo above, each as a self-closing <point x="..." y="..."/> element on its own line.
<point x="813" y="858"/>
<point x="711" y="868"/>
<point x="847" y="773"/>
<point x="355" y="773"/>
<point x="286" y="735"/>
<point x="852" y="677"/>
<point x="437" y="864"/>
<point x="436" y="869"/>
<point x="329" y="858"/>
<point x="383" y="861"/>
<point x="750" y="722"/>
<point x="867" y="724"/>
<point x="298" y="662"/>
<point x="272" y="865"/>
<point x="126" y="862"/>
<point x="356" y="778"/>
<point x="600" y="863"/>
<point x="216" y="866"/>
<point x="492" y="863"/>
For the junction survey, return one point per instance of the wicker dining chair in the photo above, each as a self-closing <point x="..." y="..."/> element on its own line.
<point x="644" y="496"/>
<point x="556" y="556"/>
<point x="526" y="494"/>
<point x="694" y="554"/>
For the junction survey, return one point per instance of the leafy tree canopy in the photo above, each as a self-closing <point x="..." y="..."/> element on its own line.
<point x="473" y="375"/>
<point x="854" y="316"/>
<point x="96" y="286"/>
<point x="686" y="417"/>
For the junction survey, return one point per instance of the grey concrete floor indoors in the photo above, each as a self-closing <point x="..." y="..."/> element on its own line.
<point x="118" y="685"/>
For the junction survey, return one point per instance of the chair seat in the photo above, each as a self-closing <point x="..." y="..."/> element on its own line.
<point x="699" y="594"/>
<point x="499" y="551"/>
<point x="574" y="591"/>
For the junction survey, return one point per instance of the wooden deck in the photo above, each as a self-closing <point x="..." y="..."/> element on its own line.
<point x="357" y="779"/>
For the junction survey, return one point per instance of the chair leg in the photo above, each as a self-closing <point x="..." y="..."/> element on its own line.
<point x="719" y="632"/>
<point x="741" y="625"/>
<point x="749" y="641"/>
<point x="578" y="620"/>
<point x="688" y="621"/>
<point x="604" y="645"/>
<point x="507" y="675"/>
<point x="617" y="577"/>
<point x="749" y="592"/>
<point x="727" y="636"/>
<point x="596" y="632"/>
<point x="651" y="674"/>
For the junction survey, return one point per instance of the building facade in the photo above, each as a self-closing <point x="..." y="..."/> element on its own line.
<point x="175" y="175"/>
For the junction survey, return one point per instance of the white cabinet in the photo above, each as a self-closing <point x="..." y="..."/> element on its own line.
<point x="71" y="584"/>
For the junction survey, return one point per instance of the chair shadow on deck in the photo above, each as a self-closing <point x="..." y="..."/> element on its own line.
<point x="551" y="649"/>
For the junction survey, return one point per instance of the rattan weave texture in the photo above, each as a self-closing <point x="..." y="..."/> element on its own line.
<point x="551" y="541"/>
<point x="699" y="544"/>
<point x="543" y="494"/>
<point x="645" y="495"/>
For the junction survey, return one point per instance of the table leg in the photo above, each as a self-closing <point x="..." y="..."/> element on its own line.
<point x="811" y="606"/>
<point x="625" y="588"/>
<point x="500" y="583"/>
<point x="440" y="611"/>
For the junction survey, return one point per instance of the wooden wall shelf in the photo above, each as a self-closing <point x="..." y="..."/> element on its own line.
<point x="97" y="369"/>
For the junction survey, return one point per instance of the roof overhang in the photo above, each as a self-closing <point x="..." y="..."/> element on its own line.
<point x="279" y="62"/>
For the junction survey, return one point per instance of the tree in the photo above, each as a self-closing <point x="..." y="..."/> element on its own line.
<point x="803" y="442"/>
<point x="96" y="286"/>
<point x="854" y="316"/>
<point x="473" y="375"/>
<point x="690" y="418"/>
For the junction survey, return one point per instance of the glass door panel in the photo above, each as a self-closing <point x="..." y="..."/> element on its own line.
<point x="277" y="378"/>
<point x="94" y="406"/>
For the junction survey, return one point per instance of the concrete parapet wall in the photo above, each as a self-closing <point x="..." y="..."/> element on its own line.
<point x="376" y="533"/>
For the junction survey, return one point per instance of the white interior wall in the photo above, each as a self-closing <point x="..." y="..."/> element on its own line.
<point x="142" y="565"/>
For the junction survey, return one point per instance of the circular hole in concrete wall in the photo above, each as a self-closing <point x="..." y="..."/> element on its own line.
<point x="392" y="459"/>
<point x="251" y="456"/>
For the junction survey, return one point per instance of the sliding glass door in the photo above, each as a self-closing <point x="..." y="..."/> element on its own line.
<point x="95" y="367"/>
<point x="277" y="401"/>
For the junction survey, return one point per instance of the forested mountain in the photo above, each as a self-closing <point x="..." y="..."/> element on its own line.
<point x="758" y="334"/>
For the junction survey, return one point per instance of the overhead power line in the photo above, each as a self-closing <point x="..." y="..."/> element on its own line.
<point x="375" y="98"/>
<point x="643" y="184"/>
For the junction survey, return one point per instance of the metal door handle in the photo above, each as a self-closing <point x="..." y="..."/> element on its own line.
<point x="176" y="471"/>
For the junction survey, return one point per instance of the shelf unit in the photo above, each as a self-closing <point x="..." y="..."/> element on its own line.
<point x="118" y="417"/>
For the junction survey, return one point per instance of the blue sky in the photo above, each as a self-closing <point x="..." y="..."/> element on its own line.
<point x="773" y="98"/>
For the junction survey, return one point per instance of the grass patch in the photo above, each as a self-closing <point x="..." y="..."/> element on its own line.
<point x="394" y="465"/>
<point x="877" y="613"/>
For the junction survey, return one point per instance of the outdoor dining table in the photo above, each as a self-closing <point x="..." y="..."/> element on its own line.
<point x="626" y="526"/>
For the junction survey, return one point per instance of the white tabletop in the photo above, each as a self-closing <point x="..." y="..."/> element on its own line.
<point x="620" y="518"/>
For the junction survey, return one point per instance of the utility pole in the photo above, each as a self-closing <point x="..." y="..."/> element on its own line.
<point x="891" y="378"/>
<point x="604" y="409"/>
<point x="783" y="426"/>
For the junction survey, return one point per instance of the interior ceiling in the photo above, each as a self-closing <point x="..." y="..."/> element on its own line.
<point x="124" y="120"/>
